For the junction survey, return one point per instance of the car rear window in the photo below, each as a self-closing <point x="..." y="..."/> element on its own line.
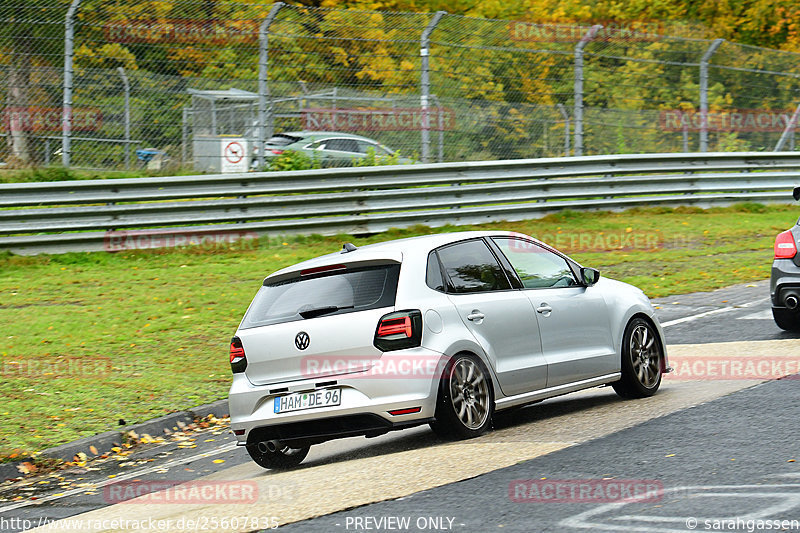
<point x="338" y="292"/>
<point x="282" y="140"/>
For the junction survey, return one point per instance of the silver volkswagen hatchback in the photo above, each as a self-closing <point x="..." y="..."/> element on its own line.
<point x="442" y="330"/>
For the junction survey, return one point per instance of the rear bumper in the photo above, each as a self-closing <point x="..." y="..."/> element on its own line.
<point x="785" y="277"/>
<point x="298" y="434"/>
<point x="367" y="398"/>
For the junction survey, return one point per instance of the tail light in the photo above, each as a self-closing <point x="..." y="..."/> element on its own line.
<point x="238" y="358"/>
<point x="276" y="152"/>
<point x="785" y="247"/>
<point x="400" y="330"/>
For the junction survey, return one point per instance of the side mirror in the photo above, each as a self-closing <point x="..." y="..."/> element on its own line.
<point x="796" y="193"/>
<point x="590" y="276"/>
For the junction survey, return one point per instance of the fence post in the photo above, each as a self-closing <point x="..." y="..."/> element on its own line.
<point x="425" y="84"/>
<point x="440" y="122"/>
<point x="263" y="86"/>
<point x="704" y="92"/>
<point x="185" y="136"/>
<point x="564" y="114"/>
<point x="66" y="109"/>
<point x="127" y="87"/>
<point x="578" y="86"/>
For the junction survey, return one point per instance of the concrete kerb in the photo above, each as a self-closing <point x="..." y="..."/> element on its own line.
<point x="103" y="442"/>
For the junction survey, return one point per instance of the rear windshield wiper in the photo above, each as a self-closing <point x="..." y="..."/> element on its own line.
<point x="319" y="311"/>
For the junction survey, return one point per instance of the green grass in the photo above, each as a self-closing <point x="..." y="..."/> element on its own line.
<point x="57" y="173"/>
<point x="140" y="334"/>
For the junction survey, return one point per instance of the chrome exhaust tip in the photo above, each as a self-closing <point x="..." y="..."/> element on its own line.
<point x="270" y="446"/>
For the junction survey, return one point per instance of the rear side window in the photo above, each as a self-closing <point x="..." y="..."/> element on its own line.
<point x="339" y="292"/>
<point x="433" y="277"/>
<point x="471" y="266"/>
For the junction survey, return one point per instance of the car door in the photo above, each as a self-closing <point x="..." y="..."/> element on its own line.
<point x="501" y="318"/>
<point x="573" y="319"/>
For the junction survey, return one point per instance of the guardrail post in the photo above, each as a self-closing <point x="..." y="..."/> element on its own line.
<point x="789" y="130"/>
<point x="578" y="86"/>
<point x="263" y="85"/>
<point x="704" y="92"/>
<point x="66" y="110"/>
<point x="425" y="84"/>
<point x="127" y="88"/>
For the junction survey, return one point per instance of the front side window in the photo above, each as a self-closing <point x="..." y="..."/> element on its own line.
<point x="343" y="291"/>
<point x="537" y="267"/>
<point x="365" y="146"/>
<point x="342" y="145"/>
<point x="470" y="266"/>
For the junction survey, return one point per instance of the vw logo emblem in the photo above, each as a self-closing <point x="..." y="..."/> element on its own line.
<point x="302" y="340"/>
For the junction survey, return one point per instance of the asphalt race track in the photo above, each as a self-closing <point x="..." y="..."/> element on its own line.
<point x="712" y="451"/>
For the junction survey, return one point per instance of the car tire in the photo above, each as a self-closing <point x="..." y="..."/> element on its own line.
<point x="283" y="458"/>
<point x="786" y="320"/>
<point x="465" y="403"/>
<point x="642" y="360"/>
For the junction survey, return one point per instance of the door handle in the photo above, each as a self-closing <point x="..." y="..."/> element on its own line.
<point x="476" y="315"/>
<point x="544" y="309"/>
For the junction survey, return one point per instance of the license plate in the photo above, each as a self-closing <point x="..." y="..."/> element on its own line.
<point x="308" y="400"/>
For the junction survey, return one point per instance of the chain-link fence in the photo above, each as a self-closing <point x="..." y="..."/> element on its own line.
<point x="201" y="84"/>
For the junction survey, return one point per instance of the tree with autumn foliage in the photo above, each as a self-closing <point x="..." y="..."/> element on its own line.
<point x="506" y="90"/>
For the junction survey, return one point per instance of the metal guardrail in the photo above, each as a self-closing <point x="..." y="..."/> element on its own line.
<point x="57" y="217"/>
